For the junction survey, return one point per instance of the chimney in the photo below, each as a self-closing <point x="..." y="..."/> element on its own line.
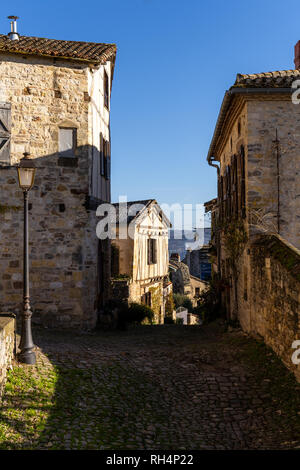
<point x="297" y="55"/>
<point x="13" y="35"/>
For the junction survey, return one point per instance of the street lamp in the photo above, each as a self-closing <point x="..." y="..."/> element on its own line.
<point x="26" y="173"/>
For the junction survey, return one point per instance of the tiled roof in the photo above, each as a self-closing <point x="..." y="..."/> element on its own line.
<point x="83" y="51"/>
<point x="140" y="206"/>
<point x="280" y="79"/>
<point x="135" y="209"/>
<point x="278" y="82"/>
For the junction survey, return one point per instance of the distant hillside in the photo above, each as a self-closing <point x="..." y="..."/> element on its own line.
<point x="180" y="241"/>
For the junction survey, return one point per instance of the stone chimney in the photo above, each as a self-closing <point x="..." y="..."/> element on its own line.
<point x="297" y="55"/>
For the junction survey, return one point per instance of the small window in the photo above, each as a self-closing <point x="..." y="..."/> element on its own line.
<point x="104" y="158"/>
<point x="239" y="128"/>
<point x="101" y="155"/>
<point x="152" y="251"/>
<point x="67" y="141"/>
<point x="197" y="291"/>
<point x="146" y="299"/>
<point x="106" y="89"/>
<point x="5" y="132"/>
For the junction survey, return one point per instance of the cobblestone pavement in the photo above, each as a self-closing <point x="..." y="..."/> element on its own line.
<point x="153" y="387"/>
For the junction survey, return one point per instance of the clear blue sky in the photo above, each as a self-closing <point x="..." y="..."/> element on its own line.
<point x="175" y="60"/>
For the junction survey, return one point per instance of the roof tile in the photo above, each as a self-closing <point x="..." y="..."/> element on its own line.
<point x="75" y="50"/>
<point x="279" y="78"/>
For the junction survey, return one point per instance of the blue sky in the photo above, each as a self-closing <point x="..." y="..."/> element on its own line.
<point x="175" y="60"/>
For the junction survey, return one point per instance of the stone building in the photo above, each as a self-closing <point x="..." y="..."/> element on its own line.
<point x="256" y="217"/>
<point x="183" y="281"/>
<point x="140" y="260"/>
<point x="55" y="104"/>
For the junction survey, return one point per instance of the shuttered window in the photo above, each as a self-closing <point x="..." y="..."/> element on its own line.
<point x="152" y="251"/>
<point x="107" y="175"/>
<point x="104" y="158"/>
<point x="106" y="89"/>
<point x="5" y="132"/>
<point x="235" y="187"/>
<point x="242" y="185"/>
<point x="101" y="155"/>
<point x="146" y="299"/>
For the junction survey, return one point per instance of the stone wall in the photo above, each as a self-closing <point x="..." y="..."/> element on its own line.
<point x="46" y="94"/>
<point x="275" y="295"/>
<point x="264" y="118"/>
<point x="63" y="245"/>
<point x="7" y="347"/>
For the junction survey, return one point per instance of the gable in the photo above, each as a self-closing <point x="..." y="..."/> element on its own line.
<point x="153" y="217"/>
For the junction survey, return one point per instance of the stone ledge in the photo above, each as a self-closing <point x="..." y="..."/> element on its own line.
<point x="284" y="252"/>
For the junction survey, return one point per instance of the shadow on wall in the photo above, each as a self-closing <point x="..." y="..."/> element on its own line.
<point x="63" y="244"/>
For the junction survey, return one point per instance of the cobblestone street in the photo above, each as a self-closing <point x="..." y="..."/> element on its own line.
<point x="162" y="387"/>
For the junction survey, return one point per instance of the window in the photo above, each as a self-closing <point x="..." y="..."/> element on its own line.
<point x="106" y="89"/>
<point x="67" y="141"/>
<point x="5" y="125"/>
<point x="197" y="291"/>
<point x="152" y="250"/>
<point x="146" y="299"/>
<point x="243" y="184"/>
<point x="104" y="158"/>
<point x="101" y="155"/>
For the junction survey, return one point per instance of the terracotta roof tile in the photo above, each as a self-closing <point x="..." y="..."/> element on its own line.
<point x="76" y="50"/>
<point x="280" y="79"/>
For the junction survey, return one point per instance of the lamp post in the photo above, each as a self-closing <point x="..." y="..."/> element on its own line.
<point x="26" y="173"/>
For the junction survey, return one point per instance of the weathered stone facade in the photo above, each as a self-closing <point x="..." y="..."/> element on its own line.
<point x="46" y="95"/>
<point x="275" y="296"/>
<point x="7" y="346"/>
<point x="256" y="150"/>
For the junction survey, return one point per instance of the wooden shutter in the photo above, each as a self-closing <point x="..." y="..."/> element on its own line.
<point x="229" y="191"/>
<point x="243" y="186"/>
<point x="235" y="185"/>
<point x="149" y="251"/>
<point x="154" y="251"/>
<point x="106" y="89"/>
<point x="221" y="208"/>
<point x="5" y="132"/>
<point x="101" y="155"/>
<point x="105" y="158"/>
<point x="108" y="161"/>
